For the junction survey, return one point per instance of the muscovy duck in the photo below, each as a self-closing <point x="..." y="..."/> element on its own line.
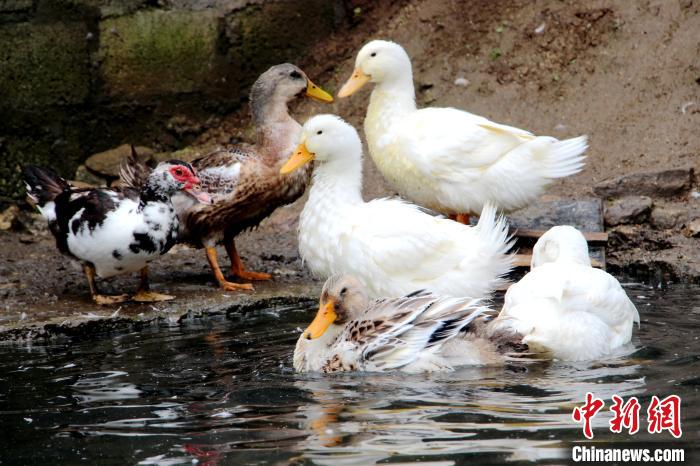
<point x="244" y="181"/>
<point x="113" y="231"/>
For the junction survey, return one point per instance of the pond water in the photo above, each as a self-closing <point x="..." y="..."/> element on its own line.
<point x="224" y="392"/>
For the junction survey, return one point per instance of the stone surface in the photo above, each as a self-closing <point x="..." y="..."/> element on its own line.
<point x="85" y="176"/>
<point x="9" y="218"/>
<point x="584" y="214"/>
<point x="78" y="318"/>
<point x="660" y="183"/>
<point x="692" y="229"/>
<point x="159" y="52"/>
<point x="14" y="5"/>
<point x="666" y="217"/>
<point x="107" y="8"/>
<point x="270" y="33"/>
<point x="43" y="64"/>
<point x="106" y="164"/>
<point x="630" y="209"/>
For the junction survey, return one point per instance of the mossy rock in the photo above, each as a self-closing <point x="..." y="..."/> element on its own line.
<point x="275" y="32"/>
<point x="156" y="52"/>
<point x="43" y="64"/>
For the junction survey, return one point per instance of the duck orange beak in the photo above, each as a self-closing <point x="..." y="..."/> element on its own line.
<point x="315" y="92"/>
<point x="354" y="84"/>
<point x="299" y="158"/>
<point x="324" y="318"/>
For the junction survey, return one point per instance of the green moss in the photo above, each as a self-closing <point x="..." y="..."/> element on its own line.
<point x="43" y="64"/>
<point x="158" y="52"/>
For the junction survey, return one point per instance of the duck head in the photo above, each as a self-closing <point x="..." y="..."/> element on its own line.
<point x="328" y="140"/>
<point x="378" y="61"/>
<point x="561" y="243"/>
<point x="280" y="84"/>
<point x="173" y="176"/>
<point x="342" y="299"/>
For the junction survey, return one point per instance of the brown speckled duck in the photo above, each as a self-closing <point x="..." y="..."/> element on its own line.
<point x="244" y="182"/>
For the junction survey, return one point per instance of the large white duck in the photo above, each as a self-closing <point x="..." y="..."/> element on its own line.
<point x="393" y="247"/>
<point x="564" y="305"/>
<point x="447" y="159"/>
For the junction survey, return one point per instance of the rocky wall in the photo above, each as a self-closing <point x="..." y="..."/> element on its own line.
<point x="81" y="76"/>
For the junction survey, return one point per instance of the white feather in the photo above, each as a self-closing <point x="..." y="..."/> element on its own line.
<point x="566" y="306"/>
<point x="450" y="160"/>
<point x="393" y="247"/>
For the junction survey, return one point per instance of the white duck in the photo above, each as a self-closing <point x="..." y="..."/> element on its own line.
<point x="393" y="247"/>
<point x="446" y="159"/>
<point x="565" y="306"/>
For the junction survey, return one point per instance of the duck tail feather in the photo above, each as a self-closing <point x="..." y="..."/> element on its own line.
<point x="566" y="157"/>
<point x="43" y="184"/>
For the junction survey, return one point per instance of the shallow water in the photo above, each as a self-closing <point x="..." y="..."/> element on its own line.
<point x="224" y="392"/>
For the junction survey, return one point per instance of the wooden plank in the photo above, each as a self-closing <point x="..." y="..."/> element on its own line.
<point x="591" y="236"/>
<point x="524" y="260"/>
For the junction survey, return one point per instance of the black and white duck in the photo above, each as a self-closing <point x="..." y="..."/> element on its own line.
<point x="113" y="231"/>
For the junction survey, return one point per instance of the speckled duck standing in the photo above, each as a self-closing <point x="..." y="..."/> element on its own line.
<point x="244" y="181"/>
<point x="114" y="231"/>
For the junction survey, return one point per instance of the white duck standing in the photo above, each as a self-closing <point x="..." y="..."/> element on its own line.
<point x="393" y="247"/>
<point x="564" y="305"/>
<point x="446" y="159"/>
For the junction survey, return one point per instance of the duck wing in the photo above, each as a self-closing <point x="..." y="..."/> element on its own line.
<point x="393" y="333"/>
<point x="397" y="247"/>
<point x="220" y="170"/>
<point x="444" y="142"/>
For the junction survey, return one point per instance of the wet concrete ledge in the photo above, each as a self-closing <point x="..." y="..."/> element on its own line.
<point x="85" y="320"/>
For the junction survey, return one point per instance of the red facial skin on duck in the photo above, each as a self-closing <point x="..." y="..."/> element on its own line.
<point x="185" y="175"/>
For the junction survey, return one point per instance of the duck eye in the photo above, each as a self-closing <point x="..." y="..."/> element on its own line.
<point x="178" y="171"/>
<point x="319" y="132"/>
<point x="344" y="290"/>
<point x="373" y="54"/>
<point x="295" y="75"/>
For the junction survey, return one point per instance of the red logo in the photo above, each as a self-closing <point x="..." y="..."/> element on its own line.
<point x="661" y="415"/>
<point x="626" y="415"/>
<point x="665" y="415"/>
<point x="587" y="412"/>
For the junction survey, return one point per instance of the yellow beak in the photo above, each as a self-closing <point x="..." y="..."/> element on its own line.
<point x="313" y="91"/>
<point x="352" y="85"/>
<point x="324" y="318"/>
<point x="299" y="158"/>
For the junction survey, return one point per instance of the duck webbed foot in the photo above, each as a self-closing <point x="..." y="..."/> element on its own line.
<point x="102" y="300"/>
<point x="145" y="295"/>
<point x="238" y="269"/>
<point x="223" y="283"/>
<point x="461" y="218"/>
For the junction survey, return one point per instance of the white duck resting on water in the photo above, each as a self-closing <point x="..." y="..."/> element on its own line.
<point x="446" y="159"/>
<point x="566" y="306"/>
<point x="391" y="246"/>
<point x="114" y="231"/>
<point x="422" y="332"/>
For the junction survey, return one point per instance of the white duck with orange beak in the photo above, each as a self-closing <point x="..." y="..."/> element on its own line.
<point x="447" y="159"/>
<point x="393" y="247"/>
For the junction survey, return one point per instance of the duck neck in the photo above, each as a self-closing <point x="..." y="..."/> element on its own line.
<point x="390" y="100"/>
<point x="152" y="192"/>
<point x="311" y="355"/>
<point x="276" y="132"/>
<point x="337" y="182"/>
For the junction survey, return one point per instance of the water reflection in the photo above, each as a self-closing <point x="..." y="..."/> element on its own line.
<point x="224" y="393"/>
